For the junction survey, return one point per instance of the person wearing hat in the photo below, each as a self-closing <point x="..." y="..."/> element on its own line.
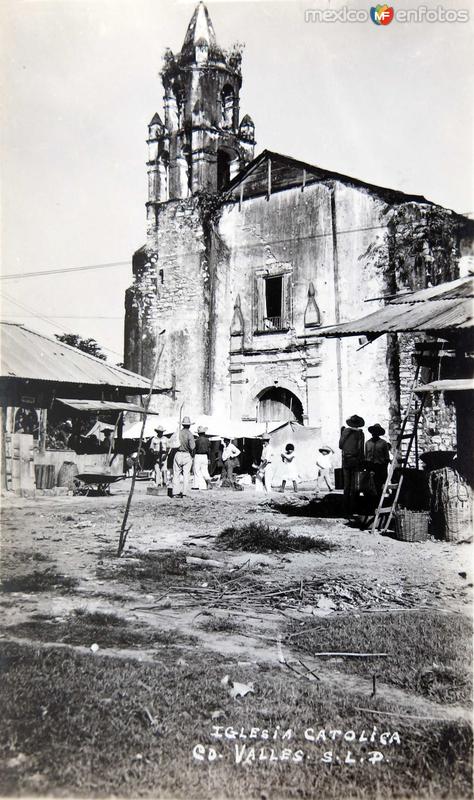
<point x="377" y="457"/>
<point x="159" y="447"/>
<point x="183" y="459"/>
<point x="107" y="442"/>
<point x="323" y="463"/>
<point x="351" y="443"/>
<point x="202" y="479"/>
<point x="230" y="454"/>
<point x="267" y="466"/>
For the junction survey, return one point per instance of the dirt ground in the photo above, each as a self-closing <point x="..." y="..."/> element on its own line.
<point x="77" y="537"/>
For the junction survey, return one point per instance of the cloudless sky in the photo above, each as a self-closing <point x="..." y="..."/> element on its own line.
<point x="390" y="105"/>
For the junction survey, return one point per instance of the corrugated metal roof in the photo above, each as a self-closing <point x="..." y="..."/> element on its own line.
<point x="30" y="355"/>
<point x="450" y="290"/>
<point x="427" y="316"/>
<point x="103" y="405"/>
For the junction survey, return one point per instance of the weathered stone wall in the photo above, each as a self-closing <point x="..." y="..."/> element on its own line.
<point x="297" y="231"/>
<point x="172" y="293"/>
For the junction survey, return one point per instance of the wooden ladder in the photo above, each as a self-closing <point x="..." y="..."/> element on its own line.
<point x="401" y="456"/>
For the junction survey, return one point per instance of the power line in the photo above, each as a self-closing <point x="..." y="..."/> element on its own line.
<point x="57" y="316"/>
<point x="48" y="320"/>
<point x="82" y="268"/>
<point x="61" y="270"/>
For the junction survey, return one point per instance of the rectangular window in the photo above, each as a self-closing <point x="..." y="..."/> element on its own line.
<point x="272" y="302"/>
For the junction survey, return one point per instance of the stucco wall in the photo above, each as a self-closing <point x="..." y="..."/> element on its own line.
<point x="294" y="230"/>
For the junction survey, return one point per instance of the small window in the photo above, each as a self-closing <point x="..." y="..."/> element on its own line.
<point x="273" y="303"/>
<point x="223" y="169"/>
<point x="227" y="102"/>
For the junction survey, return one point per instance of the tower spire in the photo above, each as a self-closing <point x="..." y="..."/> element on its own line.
<point x="200" y="30"/>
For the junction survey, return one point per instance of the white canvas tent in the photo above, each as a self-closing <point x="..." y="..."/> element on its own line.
<point x="216" y="426"/>
<point x="306" y="442"/>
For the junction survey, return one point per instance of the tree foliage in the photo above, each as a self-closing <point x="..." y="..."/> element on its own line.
<point x="89" y="346"/>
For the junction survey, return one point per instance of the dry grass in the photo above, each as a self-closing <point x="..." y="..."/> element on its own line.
<point x="221" y="625"/>
<point x="76" y="725"/>
<point x="38" y="582"/>
<point x="428" y="653"/>
<point x="107" y="630"/>
<point x="153" y="567"/>
<point x="258" y="537"/>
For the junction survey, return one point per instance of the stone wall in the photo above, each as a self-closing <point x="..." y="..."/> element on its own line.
<point x="320" y="236"/>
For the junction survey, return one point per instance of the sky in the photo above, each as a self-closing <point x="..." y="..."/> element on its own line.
<point x="391" y="105"/>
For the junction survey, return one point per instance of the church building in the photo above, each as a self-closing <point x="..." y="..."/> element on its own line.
<point x="247" y="256"/>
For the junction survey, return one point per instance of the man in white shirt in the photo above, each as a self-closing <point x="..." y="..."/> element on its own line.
<point x="266" y="463"/>
<point x="229" y="454"/>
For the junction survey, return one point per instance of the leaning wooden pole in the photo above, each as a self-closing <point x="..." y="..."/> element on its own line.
<point x="124" y="530"/>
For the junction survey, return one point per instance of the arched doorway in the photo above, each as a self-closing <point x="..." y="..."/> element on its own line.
<point x="279" y="405"/>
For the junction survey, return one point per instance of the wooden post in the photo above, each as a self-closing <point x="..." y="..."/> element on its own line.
<point x="269" y="179"/>
<point x="124" y="530"/>
<point x="303" y="184"/>
<point x="3" y="450"/>
<point x="241" y="196"/>
<point x="43" y="422"/>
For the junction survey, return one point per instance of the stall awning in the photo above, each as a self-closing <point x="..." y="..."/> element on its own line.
<point x="447" y="385"/>
<point x="103" y="405"/>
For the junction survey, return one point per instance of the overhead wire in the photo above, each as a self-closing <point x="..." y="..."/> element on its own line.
<point x="48" y="320"/>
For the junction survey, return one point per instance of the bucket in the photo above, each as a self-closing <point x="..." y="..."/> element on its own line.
<point x="67" y="473"/>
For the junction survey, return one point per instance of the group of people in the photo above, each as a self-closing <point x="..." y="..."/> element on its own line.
<point x="190" y="452"/>
<point x="369" y="458"/>
<point x="183" y="452"/>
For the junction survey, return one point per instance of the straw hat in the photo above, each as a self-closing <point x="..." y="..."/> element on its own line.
<point x="266" y="437"/>
<point x="160" y="429"/>
<point x="202" y="429"/>
<point x="326" y="449"/>
<point x="186" y="422"/>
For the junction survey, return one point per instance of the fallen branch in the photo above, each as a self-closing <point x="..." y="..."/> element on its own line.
<point x="401" y="714"/>
<point x="354" y="655"/>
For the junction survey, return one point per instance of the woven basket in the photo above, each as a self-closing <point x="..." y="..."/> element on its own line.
<point x="411" y="526"/>
<point x="458" y="518"/>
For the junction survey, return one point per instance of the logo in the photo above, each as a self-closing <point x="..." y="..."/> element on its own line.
<point x="381" y="15"/>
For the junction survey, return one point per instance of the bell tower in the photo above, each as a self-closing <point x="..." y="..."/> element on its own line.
<point x="202" y="142"/>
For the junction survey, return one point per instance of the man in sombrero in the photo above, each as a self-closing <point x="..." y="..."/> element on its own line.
<point x="351" y="443"/>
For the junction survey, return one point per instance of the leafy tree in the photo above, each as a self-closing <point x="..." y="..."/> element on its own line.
<point x="86" y="345"/>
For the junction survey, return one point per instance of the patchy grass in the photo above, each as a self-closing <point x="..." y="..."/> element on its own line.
<point x="75" y="725"/>
<point x="86" y="628"/>
<point x="428" y="653"/>
<point x="148" y="567"/>
<point x="256" y="537"/>
<point x="221" y="625"/>
<point x="38" y="582"/>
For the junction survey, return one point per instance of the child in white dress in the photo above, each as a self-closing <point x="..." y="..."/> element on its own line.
<point x="287" y="469"/>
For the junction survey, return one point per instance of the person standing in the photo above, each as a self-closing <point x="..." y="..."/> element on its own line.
<point x="287" y="470"/>
<point x="323" y="463"/>
<point x="377" y="457"/>
<point x="266" y="463"/>
<point x="202" y="479"/>
<point x="229" y="455"/>
<point x="183" y="459"/>
<point x="159" y="447"/>
<point x="351" y="443"/>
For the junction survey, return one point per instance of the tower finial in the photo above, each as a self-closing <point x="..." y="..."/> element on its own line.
<point x="200" y="29"/>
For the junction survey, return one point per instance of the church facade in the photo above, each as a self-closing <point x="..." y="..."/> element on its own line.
<point x="247" y="257"/>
